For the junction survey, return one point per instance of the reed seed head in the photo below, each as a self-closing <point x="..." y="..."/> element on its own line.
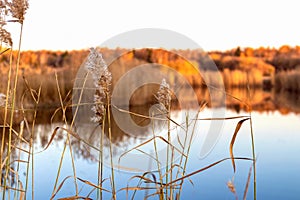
<point x="18" y="9"/>
<point x="5" y="36"/>
<point x="164" y="94"/>
<point x="102" y="78"/>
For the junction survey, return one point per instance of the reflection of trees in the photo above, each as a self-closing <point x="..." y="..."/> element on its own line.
<point x="261" y="101"/>
<point x="264" y="101"/>
<point x="91" y="133"/>
<point x="287" y="102"/>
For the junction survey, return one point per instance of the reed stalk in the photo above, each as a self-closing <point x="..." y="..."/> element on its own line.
<point x="111" y="152"/>
<point x="100" y="163"/>
<point x="13" y="99"/>
<point x="161" y="193"/>
<point x="6" y="109"/>
<point x="164" y="99"/>
<point x="18" y="143"/>
<point x="68" y="134"/>
<point x="102" y="78"/>
<point x="252" y="140"/>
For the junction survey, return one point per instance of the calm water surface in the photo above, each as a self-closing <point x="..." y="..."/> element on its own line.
<point x="277" y="139"/>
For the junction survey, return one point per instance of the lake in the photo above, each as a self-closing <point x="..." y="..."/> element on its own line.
<point x="276" y="129"/>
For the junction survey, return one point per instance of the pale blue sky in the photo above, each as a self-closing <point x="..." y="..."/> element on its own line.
<point x="77" y="24"/>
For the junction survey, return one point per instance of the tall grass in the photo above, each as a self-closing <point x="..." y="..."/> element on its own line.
<point x="15" y="9"/>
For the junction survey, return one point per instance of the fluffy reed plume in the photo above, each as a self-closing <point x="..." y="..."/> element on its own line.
<point x="2" y="99"/>
<point x="164" y="94"/>
<point x="5" y="36"/>
<point x="164" y="99"/>
<point x="102" y="81"/>
<point x="18" y="9"/>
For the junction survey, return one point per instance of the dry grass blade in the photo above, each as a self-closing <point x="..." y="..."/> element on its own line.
<point x="11" y="188"/>
<point x="138" y="188"/>
<point x="74" y="198"/>
<point x="51" y="139"/>
<point x="93" y="185"/>
<point x="160" y="195"/>
<point x="22" y="193"/>
<point x="223" y="118"/>
<point x="237" y="128"/>
<point x="20" y="149"/>
<point x="138" y="115"/>
<point x="162" y="113"/>
<point x="155" y="194"/>
<point x="59" y="187"/>
<point x="2" y="52"/>
<point x="247" y="184"/>
<point x="135" y="170"/>
<point x="19" y="161"/>
<point x="172" y="168"/>
<point x="146" y="180"/>
<point x="203" y="169"/>
<point x="146" y="142"/>
<point x="3" y="162"/>
<point x="71" y="133"/>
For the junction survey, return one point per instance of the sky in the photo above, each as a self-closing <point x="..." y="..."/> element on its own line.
<point x="212" y="24"/>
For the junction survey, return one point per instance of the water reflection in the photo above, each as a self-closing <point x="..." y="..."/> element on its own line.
<point x="48" y="119"/>
<point x="279" y="110"/>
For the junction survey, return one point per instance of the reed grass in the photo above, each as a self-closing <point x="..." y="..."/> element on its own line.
<point x="36" y="98"/>
<point x="252" y="140"/>
<point x="16" y="10"/>
<point x="164" y="183"/>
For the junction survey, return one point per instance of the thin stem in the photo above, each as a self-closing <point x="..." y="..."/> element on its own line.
<point x="184" y="143"/>
<point x="6" y="110"/>
<point x="188" y="148"/>
<point x="100" y="164"/>
<point x="110" y="149"/>
<point x="161" y="197"/>
<point x="253" y="157"/>
<point x="168" y="152"/>
<point x="19" y="157"/>
<point x="68" y="134"/>
<point x="252" y="138"/>
<point x="59" y="168"/>
<point x="13" y="108"/>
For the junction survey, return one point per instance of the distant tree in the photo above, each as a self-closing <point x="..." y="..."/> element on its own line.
<point x="249" y="52"/>
<point x="238" y="52"/>
<point x="284" y="49"/>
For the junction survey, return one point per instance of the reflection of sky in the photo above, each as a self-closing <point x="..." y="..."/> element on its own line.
<point x="277" y="141"/>
<point x="278" y="149"/>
